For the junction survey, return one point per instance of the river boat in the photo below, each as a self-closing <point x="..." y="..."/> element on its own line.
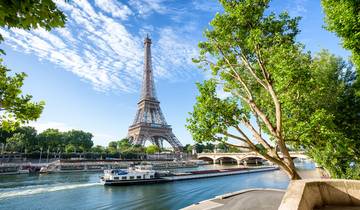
<point x="140" y="174"/>
<point x="145" y="175"/>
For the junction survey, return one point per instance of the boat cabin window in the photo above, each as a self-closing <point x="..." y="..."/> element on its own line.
<point x="138" y="177"/>
<point x="151" y="176"/>
<point x="131" y="177"/>
<point x="116" y="177"/>
<point x="123" y="178"/>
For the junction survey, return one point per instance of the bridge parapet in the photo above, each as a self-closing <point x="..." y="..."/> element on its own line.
<point x="244" y="155"/>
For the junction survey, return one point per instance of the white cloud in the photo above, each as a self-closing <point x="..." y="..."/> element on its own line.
<point x="207" y="5"/>
<point x="174" y="49"/>
<point x="101" y="50"/>
<point x="115" y="8"/>
<point x="298" y="7"/>
<point x="40" y="127"/>
<point x="146" y="7"/>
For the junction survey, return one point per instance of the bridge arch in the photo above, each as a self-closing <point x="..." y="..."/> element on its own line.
<point x="227" y="159"/>
<point x="242" y="157"/>
<point x="207" y="159"/>
<point x="253" y="159"/>
<point x="251" y="156"/>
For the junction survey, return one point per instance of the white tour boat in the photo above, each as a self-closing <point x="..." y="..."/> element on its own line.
<point x="140" y="174"/>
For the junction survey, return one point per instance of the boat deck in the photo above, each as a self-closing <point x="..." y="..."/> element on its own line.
<point x="190" y="175"/>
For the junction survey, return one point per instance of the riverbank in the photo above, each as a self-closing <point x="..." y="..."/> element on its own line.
<point x="60" y="166"/>
<point x="255" y="199"/>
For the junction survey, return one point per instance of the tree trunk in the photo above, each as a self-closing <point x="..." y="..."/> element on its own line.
<point x="296" y="176"/>
<point x="289" y="169"/>
<point x="291" y="172"/>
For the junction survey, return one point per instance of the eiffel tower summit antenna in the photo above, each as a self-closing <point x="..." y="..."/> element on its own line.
<point x="149" y="123"/>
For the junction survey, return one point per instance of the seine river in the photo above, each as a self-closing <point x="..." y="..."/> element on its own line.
<point x="83" y="191"/>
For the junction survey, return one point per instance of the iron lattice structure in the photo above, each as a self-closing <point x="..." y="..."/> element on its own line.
<point x="149" y="123"/>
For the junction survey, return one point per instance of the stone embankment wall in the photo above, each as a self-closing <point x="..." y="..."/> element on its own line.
<point x="89" y="165"/>
<point x="311" y="194"/>
<point x="60" y="166"/>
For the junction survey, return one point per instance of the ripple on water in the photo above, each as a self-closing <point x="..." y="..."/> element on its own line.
<point x="36" y="189"/>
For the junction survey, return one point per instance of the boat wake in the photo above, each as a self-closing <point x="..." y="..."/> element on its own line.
<point x="24" y="192"/>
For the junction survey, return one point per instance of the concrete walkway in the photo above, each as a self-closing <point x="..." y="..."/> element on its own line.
<point x="254" y="199"/>
<point x="251" y="199"/>
<point x="339" y="208"/>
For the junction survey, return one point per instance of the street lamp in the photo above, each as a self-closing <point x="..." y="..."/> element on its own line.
<point x="41" y="149"/>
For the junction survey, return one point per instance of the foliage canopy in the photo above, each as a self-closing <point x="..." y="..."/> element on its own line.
<point x="280" y="96"/>
<point x="15" y="108"/>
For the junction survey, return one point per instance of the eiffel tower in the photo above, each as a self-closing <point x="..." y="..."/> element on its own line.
<point x="149" y="123"/>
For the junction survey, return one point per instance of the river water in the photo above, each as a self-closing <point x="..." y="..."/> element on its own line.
<point x="82" y="190"/>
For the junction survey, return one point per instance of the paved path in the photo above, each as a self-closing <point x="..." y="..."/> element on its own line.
<point x="339" y="208"/>
<point x="253" y="199"/>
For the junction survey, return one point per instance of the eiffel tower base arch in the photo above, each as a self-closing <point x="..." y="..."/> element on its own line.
<point x="138" y="135"/>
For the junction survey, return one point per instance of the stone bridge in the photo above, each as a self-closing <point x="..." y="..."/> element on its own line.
<point x="242" y="157"/>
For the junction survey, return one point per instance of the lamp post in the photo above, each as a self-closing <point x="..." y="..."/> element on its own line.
<point x="47" y="156"/>
<point x="58" y="151"/>
<point x="41" y="149"/>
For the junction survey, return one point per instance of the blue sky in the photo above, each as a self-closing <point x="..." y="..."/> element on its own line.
<point x="89" y="73"/>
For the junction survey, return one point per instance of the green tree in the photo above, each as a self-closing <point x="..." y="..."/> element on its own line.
<point x="343" y="18"/>
<point x="112" y="147"/>
<point x="16" y="143"/>
<point x="15" y="108"/>
<point x="98" y="149"/>
<point x="123" y="145"/>
<point x="209" y="147"/>
<point x="255" y="58"/>
<point x="331" y="132"/>
<point x="222" y="146"/>
<point x="4" y="134"/>
<point x="136" y="149"/>
<point x="51" y="139"/>
<point x="152" y="149"/>
<point x="199" y="147"/>
<point x="81" y="140"/>
<point x="188" y="148"/>
<point x="30" y="134"/>
<point x="336" y="82"/>
<point x="30" y="14"/>
<point x="70" y="148"/>
<point x="278" y="92"/>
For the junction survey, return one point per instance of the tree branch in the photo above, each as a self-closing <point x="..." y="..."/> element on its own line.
<point x="251" y="70"/>
<point x="257" y="136"/>
<point x="234" y="136"/>
<point x="271" y="91"/>
<point x="261" y="63"/>
<point x="238" y="77"/>
<point x="234" y="145"/>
